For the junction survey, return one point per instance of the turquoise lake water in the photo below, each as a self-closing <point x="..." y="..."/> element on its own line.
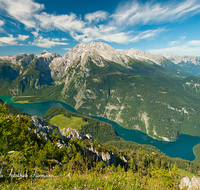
<point x="182" y="148"/>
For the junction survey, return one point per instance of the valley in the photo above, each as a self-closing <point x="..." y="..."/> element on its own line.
<point x="53" y="111"/>
<point x="136" y="89"/>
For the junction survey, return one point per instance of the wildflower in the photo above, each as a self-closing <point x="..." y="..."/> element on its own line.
<point x="101" y="168"/>
<point x="42" y="162"/>
<point x="106" y="177"/>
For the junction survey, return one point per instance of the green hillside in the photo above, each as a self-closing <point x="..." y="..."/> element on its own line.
<point x="12" y="109"/>
<point x="101" y="131"/>
<point x="155" y="105"/>
<point x="105" y="133"/>
<point x="136" y="166"/>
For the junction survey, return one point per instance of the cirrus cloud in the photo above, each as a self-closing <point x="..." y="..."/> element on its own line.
<point x="118" y="27"/>
<point x="134" y="13"/>
<point x="22" y="11"/>
<point x="47" y="42"/>
<point x="96" y="16"/>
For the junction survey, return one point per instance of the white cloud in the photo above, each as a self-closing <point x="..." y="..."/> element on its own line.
<point x="64" y="39"/>
<point x="55" y="39"/>
<point x="61" y="22"/>
<point x="1" y="23"/>
<point x="67" y="49"/>
<point x="177" y="42"/>
<point x="109" y="34"/>
<point x="96" y="16"/>
<point x="22" y="37"/>
<point x="189" y="48"/>
<point x="35" y="33"/>
<point x="147" y="34"/>
<point x="118" y="27"/>
<point x="172" y="43"/>
<point x="87" y="30"/>
<point x="22" y="10"/>
<point x="182" y="37"/>
<point x="118" y="38"/>
<point x="194" y="43"/>
<point x="134" y="13"/>
<point x="47" y="42"/>
<point x="177" y="50"/>
<point x="10" y="40"/>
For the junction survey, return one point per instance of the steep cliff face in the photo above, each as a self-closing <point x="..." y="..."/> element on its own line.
<point x="7" y="73"/>
<point x="26" y="72"/>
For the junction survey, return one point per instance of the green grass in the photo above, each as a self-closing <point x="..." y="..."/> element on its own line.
<point x="106" y="180"/>
<point x="186" y="173"/>
<point x="72" y="122"/>
<point x="196" y="150"/>
<point x="24" y="101"/>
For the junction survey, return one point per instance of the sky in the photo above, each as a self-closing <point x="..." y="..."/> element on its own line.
<point x="158" y="26"/>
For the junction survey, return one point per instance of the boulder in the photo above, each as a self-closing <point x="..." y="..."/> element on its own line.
<point x="194" y="184"/>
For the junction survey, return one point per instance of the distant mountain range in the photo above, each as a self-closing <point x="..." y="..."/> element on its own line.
<point x="156" y="94"/>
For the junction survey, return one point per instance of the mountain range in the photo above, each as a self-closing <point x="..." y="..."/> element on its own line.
<point x="156" y="94"/>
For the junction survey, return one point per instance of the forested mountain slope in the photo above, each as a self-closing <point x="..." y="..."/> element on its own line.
<point x="136" y="89"/>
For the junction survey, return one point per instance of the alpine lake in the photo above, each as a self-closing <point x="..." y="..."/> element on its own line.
<point x="182" y="148"/>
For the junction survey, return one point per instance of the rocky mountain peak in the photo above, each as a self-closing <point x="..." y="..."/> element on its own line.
<point x="43" y="52"/>
<point x="176" y="59"/>
<point x="96" y="51"/>
<point x="143" y="55"/>
<point x="14" y="59"/>
<point x="100" y="48"/>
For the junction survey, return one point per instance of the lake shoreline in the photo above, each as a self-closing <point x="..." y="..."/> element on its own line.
<point x="182" y="147"/>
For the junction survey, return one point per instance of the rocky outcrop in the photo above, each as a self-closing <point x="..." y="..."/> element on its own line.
<point x="43" y="129"/>
<point x="89" y="137"/>
<point x="107" y="157"/>
<point x="72" y="134"/>
<point x="194" y="184"/>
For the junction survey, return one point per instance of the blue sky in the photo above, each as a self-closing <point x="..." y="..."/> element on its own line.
<point x="160" y="27"/>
